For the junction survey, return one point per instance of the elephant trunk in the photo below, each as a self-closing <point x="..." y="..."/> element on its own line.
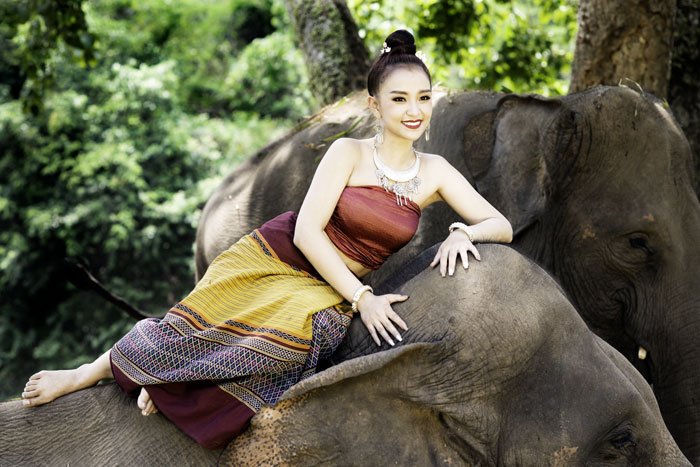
<point x="676" y="371"/>
<point x="675" y="380"/>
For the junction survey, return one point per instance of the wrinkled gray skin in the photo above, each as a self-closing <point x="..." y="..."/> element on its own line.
<point x="596" y="185"/>
<point x="497" y="368"/>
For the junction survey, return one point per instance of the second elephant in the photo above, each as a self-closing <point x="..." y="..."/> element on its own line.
<point x="596" y="184"/>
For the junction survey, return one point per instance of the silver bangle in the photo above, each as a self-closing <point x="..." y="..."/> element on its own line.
<point x="358" y="294"/>
<point x="464" y="228"/>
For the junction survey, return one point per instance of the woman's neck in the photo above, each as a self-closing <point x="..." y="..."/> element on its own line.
<point x="397" y="153"/>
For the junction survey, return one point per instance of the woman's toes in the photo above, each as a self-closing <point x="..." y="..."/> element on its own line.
<point x="31" y="387"/>
<point x="29" y="394"/>
<point x="143" y="399"/>
<point x="149" y="409"/>
<point x="145" y="403"/>
<point x="31" y="401"/>
<point x="36" y="376"/>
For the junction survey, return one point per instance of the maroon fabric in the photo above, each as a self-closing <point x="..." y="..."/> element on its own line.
<point x="368" y="225"/>
<point x="279" y="234"/>
<point x="201" y="409"/>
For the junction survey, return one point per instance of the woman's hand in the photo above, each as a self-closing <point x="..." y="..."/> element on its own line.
<point x="457" y="243"/>
<point x="377" y="315"/>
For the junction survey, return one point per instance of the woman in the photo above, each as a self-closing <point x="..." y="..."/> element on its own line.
<point x="278" y="300"/>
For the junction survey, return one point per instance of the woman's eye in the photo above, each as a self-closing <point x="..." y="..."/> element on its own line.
<point x="403" y="99"/>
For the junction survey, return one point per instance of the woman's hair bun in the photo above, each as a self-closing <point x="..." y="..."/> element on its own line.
<point x="401" y="41"/>
<point x="401" y="53"/>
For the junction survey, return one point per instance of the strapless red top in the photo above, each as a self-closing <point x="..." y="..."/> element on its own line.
<point x="367" y="225"/>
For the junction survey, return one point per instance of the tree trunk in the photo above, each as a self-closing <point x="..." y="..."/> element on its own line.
<point x="620" y="39"/>
<point x="684" y="89"/>
<point x="336" y="58"/>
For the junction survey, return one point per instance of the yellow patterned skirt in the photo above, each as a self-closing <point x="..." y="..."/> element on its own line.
<point x="251" y="328"/>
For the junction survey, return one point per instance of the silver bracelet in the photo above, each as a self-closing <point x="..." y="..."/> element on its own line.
<point x="464" y="228"/>
<point x="358" y="294"/>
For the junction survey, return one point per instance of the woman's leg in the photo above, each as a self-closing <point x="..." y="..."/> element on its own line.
<point x="46" y="386"/>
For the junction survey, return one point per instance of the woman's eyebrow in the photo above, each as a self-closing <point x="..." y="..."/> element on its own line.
<point x="404" y="92"/>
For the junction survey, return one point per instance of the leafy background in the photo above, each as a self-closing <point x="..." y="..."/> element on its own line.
<point x="119" y="117"/>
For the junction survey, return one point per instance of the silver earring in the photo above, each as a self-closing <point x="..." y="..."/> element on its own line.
<point x="427" y="132"/>
<point x="379" y="133"/>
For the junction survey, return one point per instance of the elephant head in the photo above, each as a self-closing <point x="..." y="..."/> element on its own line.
<point x="596" y="184"/>
<point x="598" y="188"/>
<point x="497" y="368"/>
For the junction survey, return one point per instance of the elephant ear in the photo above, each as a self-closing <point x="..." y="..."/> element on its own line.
<point x="533" y="141"/>
<point x="376" y="409"/>
<point x="416" y="353"/>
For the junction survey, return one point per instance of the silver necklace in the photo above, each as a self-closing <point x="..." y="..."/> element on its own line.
<point x="403" y="183"/>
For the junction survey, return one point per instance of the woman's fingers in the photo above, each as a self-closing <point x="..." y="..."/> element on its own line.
<point x="465" y="257"/>
<point x="443" y="261"/>
<point x="452" y="261"/>
<point x="475" y="252"/>
<point x="393" y="316"/>
<point x="384" y="334"/>
<point x="437" y="257"/>
<point x="397" y="319"/>
<point x="379" y="319"/>
<point x="393" y="297"/>
<point x="449" y="257"/>
<point x="373" y="333"/>
<point x="389" y="326"/>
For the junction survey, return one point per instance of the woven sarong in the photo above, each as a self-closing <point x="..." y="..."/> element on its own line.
<point x="252" y="327"/>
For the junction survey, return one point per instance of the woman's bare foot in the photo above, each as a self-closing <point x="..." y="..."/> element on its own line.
<point x="46" y="386"/>
<point x="145" y="403"/>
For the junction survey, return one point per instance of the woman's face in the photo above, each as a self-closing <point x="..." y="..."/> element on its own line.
<point x="404" y="102"/>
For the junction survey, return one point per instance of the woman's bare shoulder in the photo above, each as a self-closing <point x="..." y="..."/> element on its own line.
<point x="429" y="156"/>
<point x="346" y="148"/>
<point x="349" y="143"/>
<point x="433" y="161"/>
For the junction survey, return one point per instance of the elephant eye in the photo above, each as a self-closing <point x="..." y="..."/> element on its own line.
<point x="623" y="440"/>
<point x="619" y="444"/>
<point x="641" y="242"/>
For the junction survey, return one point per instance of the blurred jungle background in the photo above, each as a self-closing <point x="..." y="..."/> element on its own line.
<point x="119" y="117"/>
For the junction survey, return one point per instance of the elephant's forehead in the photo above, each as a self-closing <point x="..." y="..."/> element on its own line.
<point x="504" y="305"/>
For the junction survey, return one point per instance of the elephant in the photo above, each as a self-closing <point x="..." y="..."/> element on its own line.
<point x="597" y="186"/>
<point x="496" y="368"/>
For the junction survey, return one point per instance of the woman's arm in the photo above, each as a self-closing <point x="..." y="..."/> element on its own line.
<point x="486" y="223"/>
<point x="328" y="183"/>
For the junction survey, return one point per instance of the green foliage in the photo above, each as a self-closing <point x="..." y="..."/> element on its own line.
<point x="518" y="46"/>
<point x="268" y="79"/>
<point x="41" y="28"/>
<point x="113" y="171"/>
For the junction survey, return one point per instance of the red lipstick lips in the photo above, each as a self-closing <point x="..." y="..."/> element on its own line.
<point x="412" y="124"/>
